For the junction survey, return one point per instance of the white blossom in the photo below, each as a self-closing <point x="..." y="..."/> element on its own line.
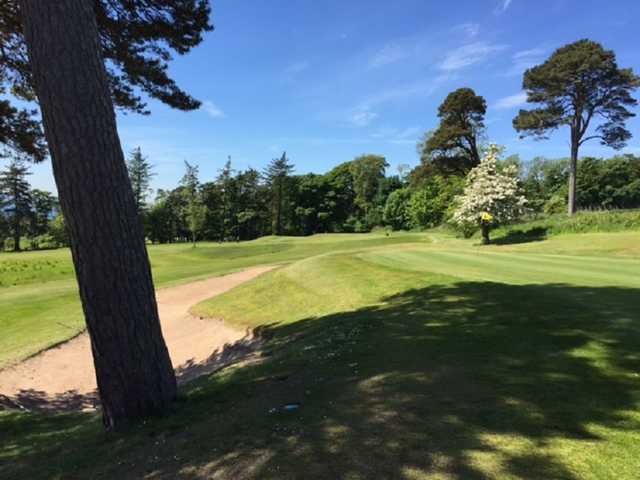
<point x="490" y="191"/>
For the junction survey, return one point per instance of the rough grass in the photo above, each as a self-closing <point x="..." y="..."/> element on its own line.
<point x="442" y="360"/>
<point x="581" y="222"/>
<point x="38" y="294"/>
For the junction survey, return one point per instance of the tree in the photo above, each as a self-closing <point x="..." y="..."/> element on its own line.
<point x="490" y="197"/>
<point x="431" y="200"/>
<point x="67" y="41"/>
<point x="19" y="131"/>
<point x="140" y="175"/>
<point x="195" y="211"/>
<point x="17" y="198"/>
<point x="277" y="174"/>
<point x="453" y="147"/>
<point x="395" y="210"/>
<point x="579" y="83"/>
<point x="367" y="172"/>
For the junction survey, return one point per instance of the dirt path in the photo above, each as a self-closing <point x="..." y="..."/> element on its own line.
<point x="63" y="377"/>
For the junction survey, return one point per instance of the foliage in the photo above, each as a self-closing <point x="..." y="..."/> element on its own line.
<point x="581" y="222"/>
<point x="15" y="198"/>
<point x="578" y="84"/>
<point x="430" y="204"/>
<point x="140" y="175"/>
<point x="453" y="147"/>
<point x="367" y="172"/>
<point x="277" y="175"/>
<point x="491" y="197"/>
<point x="137" y="40"/>
<point x="58" y="231"/>
<point x="396" y="213"/>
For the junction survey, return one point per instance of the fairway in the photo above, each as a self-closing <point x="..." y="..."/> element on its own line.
<point x="419" y="356"/>
<point x="38" y="293"/>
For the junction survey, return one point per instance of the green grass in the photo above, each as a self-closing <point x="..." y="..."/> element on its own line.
<point x="40" y="304"/>
<point x="581" y="222"/>
<point x="421" y="360"/>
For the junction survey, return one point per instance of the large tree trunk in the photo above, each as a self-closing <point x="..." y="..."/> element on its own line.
<point x="133" y="369"/>
<point x="573" y="171"/>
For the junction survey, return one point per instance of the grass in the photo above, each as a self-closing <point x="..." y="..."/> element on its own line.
<point x="40" y="304"/>
<point x="581" y="222"/>
<point x="418" y="360"/>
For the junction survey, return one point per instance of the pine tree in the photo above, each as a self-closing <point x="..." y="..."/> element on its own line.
<point x="140" y="175"/>
<point x="276" y="175"/>
<point x="195" y="211"/>
<point x="112" y="49"/>
<point x="16" y="192"/>
<point x="577" y="84"/>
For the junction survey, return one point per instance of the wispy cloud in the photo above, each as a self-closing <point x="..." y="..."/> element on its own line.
<point x="502" y="6"/>
<point x="525" y="59"/>
<point x="296" y="67"/>
<point x="388" y="54"/>
<point x="212" y="109"/>
<point x="468" y="29"/>
<point x="512" y="101"/>
<point x="470" y="54"/>
<point x="398" y="136"/>
<point x="405" y="92"/>
<point x="362" y="118"/>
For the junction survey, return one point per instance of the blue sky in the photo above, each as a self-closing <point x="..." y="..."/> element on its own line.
<point x="327" y="80"/>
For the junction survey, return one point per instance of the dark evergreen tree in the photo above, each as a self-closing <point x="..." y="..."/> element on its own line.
<point x="453" y="147"/>
<point x="140" y="175"/>
<point x="277" y="176"/>
<point x="43" y="206"/>
<point x="16" y="193"/>
<point x="112" y="49"/>
<point x="577" y="84"/>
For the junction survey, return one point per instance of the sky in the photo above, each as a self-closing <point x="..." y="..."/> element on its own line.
<point x="328" y="80"/>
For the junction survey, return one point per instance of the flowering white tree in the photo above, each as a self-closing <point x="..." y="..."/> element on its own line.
<point x="491" y="196"/>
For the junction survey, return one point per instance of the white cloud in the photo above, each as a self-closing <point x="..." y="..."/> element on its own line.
<point x="525" y="59"/>
<point x="405" y="92"/>
<point x="405" y="136"/>
<point x="388" y="54"/>
<point x="409" y="132"/>
<point x="362" y="118"/>
<point x="296" y="67"/>
<point x="468" y="55"/>
<point x="512" y="101"/>
<point x="469" y="29"/>
<point x="212" y="109"/>
<point x="502" y="7"/>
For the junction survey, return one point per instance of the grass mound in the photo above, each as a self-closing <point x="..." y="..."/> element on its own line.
<point x="581" y="222"/>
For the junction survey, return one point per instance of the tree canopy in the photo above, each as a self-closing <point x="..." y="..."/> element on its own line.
<point x="453" y="147"/>
<point x="578" y="85"/>
<point x="137" y="39"/>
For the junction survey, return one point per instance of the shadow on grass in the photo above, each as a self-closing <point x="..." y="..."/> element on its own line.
<point x="468" y="380"/>
<point x="30" y="400"/>
<point x="536" y="234"/>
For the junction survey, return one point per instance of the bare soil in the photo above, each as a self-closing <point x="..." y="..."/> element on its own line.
<point x="63" y="377"/>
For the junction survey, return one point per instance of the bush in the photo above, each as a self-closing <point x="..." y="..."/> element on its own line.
<point x="396" y="213"/>
<point x="556" y="204"/>
<point x="430" y="203"/>
<point x="581" y="222"/>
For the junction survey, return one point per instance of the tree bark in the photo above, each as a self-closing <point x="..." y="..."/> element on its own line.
<point x="133" y="369"/>
<point x="573" y="170"/>
<point x="485" y="234"/>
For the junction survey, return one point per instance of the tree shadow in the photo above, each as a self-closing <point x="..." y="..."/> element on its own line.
<point x="535" y="234"/>
<point x="470" y="380"/>
<point x="30" y="400"/>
